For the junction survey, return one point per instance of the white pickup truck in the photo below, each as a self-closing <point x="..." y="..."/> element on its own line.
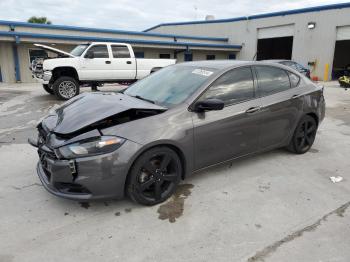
<point x="93" y="64"/>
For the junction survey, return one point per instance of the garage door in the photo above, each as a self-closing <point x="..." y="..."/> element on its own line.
<point x="276" y="31"/>
<point x="343" y="33"/>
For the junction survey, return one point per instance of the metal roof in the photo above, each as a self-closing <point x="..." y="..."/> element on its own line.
<point x="18" y="35"/>
<point x="259" y="16"/>
<point x="100" y="30"/>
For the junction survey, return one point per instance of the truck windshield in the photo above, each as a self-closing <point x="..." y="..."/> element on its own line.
<point x="170" y="86"/>
<point x="78" y="50"/>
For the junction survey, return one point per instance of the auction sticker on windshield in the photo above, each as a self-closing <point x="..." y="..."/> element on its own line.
<point x="202" y="72"/>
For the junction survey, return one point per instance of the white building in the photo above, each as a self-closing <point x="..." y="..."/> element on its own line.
<point x="17" y="49"/>
<point x="318" y="36"/>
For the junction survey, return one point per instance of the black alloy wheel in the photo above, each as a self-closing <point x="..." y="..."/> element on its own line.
<point x="154" y="176"/>
<point x="304" y="135"/>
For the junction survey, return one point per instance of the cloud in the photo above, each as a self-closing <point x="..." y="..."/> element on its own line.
<point x="139" y="15"/>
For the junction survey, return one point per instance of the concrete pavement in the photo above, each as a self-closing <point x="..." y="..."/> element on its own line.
<point x="270" y="207"/>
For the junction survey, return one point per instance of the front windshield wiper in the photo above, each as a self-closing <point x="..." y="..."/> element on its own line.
<point x="144" y="99"/>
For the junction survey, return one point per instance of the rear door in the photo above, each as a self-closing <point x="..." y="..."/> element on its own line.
<point x="233" y="131"/>
<point x="122" y="64"/>
<point x="98" y="67"/>
<point x="281" y="105"/>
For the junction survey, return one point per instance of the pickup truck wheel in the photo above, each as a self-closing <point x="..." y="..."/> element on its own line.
<point x="66" y="87"/>
<point x="48" y="88"/>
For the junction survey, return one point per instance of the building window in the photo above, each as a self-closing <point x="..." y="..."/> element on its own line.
<point x="164" y="56"/>
<point x="37" y="53"/>
<point x="231" y="56"/>
<point x="210" y="57"/>
<point x="139" y="54"/>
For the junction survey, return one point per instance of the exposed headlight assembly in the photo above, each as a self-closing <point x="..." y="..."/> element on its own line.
<point x="91" y="147"/>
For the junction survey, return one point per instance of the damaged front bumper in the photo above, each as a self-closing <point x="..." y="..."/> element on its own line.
<point x="95" y="177"/>
<point x="43" y="78"/>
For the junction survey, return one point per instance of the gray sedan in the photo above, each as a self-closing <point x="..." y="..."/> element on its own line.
<point x="184" y="118"/>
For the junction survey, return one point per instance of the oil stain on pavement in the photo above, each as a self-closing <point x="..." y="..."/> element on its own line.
<point x="174" y="207"/>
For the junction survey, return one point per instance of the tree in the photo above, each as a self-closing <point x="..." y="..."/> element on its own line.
<point x="38" y="20"/>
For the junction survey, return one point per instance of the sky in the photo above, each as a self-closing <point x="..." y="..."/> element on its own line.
<point x="139" y="15"/>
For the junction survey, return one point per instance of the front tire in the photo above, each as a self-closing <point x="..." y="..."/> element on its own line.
<point x="154" y="176"/>
<point x="48" y="88"/>
<point x="304" y="135"/>
<point x="66" y="87"/>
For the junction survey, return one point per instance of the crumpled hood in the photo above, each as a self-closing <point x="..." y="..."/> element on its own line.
<point x="90" y="108"/>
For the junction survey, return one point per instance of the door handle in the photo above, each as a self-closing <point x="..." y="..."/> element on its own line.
<point x="253" y="109"/>
<point x="128" y="62"/>
<point x="295" y="96"/>
<point x="107" y="62"/>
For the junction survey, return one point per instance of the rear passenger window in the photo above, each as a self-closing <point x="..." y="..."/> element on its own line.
<point x="232" y="87"/>
<point x="271" y="80"/>
<point x="294" y="79"/>
<point x="120" y="51"/>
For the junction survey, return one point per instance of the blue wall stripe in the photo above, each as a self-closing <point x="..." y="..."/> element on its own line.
<point x="281" y="13"/>
<point x="107" y="39"/>
<point x="16" y="60"/>
<point x="99" y="30"/>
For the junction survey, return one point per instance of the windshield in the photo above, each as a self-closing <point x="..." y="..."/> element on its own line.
<point x="78" y="50"/>
<point x="170" y="86"/>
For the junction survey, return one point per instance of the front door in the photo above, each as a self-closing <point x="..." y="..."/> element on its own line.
<point x="97" y="67"/>
<point x="233" y="131"/>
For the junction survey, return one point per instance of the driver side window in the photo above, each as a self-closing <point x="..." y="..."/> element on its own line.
<point x="232" y="87"/>
<point x="99" y="51"/>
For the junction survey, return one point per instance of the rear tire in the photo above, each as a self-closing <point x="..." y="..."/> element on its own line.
<point x="48" y="88"/>
<point x="304" y="135"/>
<point x="154" y="176"/>
<point x="65" y="87"/>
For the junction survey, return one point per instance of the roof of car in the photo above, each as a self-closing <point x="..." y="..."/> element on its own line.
<point x="218" y="64"/>
<point x="276" y="60"/>
<point x="222" y="64"/>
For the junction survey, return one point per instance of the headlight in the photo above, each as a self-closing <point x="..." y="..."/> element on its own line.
<point x="94" y="146"/>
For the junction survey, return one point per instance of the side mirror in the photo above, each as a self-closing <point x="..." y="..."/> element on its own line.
<point x="89" y="54"/>
<point x="209" y="105"/>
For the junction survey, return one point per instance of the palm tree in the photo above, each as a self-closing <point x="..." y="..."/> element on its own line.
<point x="38" y="20"/>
